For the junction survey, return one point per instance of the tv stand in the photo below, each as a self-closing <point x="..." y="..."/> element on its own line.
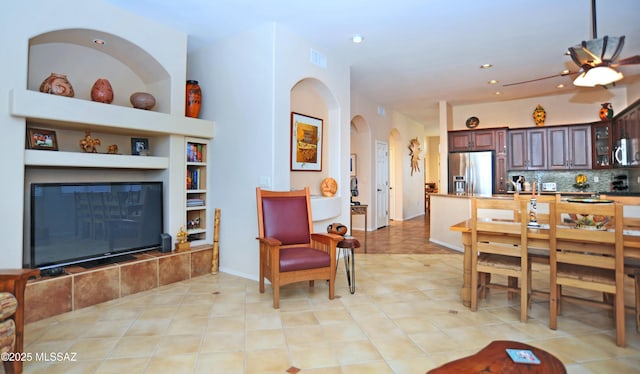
<point x="106" y="261"/>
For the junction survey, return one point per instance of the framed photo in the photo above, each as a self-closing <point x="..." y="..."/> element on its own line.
<point x="42" y="139"/>
<point x="306" y="143"/>
<point x="353" y="164"/>
<point x="139" y="146"/>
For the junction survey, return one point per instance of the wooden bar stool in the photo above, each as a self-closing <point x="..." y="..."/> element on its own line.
<point x="347" y="248"/>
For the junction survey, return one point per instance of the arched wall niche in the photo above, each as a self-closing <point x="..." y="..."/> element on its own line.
<point x="73" y="52"/>
<point x="313" y="98"/>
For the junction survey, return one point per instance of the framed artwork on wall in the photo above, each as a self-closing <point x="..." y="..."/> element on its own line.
<point x="306" y="143"/>
<point x="42" y="139"/>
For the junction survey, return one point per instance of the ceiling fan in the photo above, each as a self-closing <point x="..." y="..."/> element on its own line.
<point x="596" y="58"/>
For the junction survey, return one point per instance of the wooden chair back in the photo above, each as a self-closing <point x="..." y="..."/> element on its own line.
<point x="586" y="251"/>
<point x="499" y="245"/>
<point x="285" y="215"/>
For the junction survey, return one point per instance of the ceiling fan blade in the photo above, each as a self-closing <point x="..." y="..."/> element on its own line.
<point x="633" y="60"/>
<point x="539" y="79"/>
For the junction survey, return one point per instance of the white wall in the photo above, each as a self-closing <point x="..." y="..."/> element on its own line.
<point x="561" y="109"/>
<point x="247" y="82"/>
<point x="19" y="22"/>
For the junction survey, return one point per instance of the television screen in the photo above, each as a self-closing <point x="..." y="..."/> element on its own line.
<point x="76" y="223"/>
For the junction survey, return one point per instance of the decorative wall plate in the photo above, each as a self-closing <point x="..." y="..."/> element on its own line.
<point x="472" y="122"/>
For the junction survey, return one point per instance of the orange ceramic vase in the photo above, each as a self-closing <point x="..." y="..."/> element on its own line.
<point x="193" y="99"/>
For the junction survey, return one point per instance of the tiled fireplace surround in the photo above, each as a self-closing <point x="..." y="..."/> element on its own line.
<point x="80" y="287"/>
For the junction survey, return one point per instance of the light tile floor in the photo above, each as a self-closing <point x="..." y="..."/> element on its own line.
<point x="405" y="317"/>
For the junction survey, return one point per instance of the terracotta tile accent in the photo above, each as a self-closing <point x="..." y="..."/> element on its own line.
<point x="173" y="268"/>
<point x="47" y="298"/>
<point x="138" y="276"/>
<point x="201" y="262"/>
<point x="95" y="287"/>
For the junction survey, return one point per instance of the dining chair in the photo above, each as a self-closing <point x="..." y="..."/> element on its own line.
<point x="586" y="252"/>
<point x="290" y="251"/>
<point x="631" y="223"/>
<point x="499" y="244"/>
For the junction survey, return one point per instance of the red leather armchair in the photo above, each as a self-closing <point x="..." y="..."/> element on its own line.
<point x="289" y="250"/>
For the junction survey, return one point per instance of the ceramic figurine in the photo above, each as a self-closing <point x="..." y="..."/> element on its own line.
<point x="606" y="112"/>
<point x="88" y="144"/>
<point x="539" y="115"/>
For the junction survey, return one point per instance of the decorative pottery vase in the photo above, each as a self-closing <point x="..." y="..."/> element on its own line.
<point x="193" y="99"/>
<point x="102" y="91"/>
<point x="539" y="115"/>
<point x="57" y="84"/>
<point x="606" y="112"/>
<point x="142" y="100"/>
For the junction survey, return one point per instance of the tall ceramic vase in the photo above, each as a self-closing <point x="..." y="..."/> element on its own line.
<point x="57" y="84"/>
<point x="193" y="99"/>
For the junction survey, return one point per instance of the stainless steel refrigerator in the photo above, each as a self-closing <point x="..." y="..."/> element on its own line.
<point x="471" y="173"/>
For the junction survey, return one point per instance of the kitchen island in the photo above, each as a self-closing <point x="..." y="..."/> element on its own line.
<point x="447" y="210"/>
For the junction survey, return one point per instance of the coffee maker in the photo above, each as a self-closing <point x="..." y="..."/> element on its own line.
<point x="518" y="182"/>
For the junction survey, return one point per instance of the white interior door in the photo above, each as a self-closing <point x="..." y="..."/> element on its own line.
<point x="382" y="184"/>
<point x="392" y="178"/>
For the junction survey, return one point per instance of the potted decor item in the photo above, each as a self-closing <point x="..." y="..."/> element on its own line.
<point x="606" y="112"/>
<point x="57" y="84"/>
<point x="193" y="99"/>
<point x="102" y="91"/>
<point x="142" y="100"/>
<point x="539" y="115"/>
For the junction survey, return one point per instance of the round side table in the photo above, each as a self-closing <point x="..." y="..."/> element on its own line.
<point x="347" y="248"/>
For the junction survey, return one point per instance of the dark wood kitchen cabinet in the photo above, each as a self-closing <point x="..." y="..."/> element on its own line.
<point x="471" y="140"/>
<point x="527" y="149"/>
<point x="602" y="145"/>
<point x="626" y="125"/>
<point x="569" y="147"/>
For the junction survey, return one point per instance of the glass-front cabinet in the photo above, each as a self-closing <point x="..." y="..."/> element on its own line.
<point x="602" y="145"/>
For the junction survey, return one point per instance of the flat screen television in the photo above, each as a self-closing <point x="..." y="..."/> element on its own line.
<point x="93" y="223"/>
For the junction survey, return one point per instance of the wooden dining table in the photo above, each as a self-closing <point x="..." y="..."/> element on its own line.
<point x="538" y="239"/>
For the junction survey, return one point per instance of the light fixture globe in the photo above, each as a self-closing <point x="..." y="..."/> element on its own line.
<point x="598" y="76"/>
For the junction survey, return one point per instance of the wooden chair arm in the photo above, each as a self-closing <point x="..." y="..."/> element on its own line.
<point x="326" y="238"/>
<point x="271" y="242"/>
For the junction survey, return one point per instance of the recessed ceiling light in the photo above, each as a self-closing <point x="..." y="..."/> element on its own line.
<point x="485" y="66"/>
<point x="493" y="81"/>
<point x="498" y="93"/>
<point x="565" y="72"/>
<point x="560" y="85"/>
<point x="357" y="38"/>
<point x="99" y="41"/>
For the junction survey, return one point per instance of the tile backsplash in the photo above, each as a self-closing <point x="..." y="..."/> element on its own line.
<point x="565" y="179"/>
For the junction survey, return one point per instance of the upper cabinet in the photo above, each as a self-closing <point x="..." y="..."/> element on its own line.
<point x="527" y="149"/>
<point x="601" y="139"/>
<point x="626" y="128"/>
<point x="569" y="147"/>
<point x="472" y="140"/>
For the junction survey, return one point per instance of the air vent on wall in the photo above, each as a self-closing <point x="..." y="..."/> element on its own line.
<point x="318" y="58"/>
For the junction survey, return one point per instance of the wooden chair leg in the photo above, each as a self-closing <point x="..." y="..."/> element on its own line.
<point x="474" y="290"/>
<point x="636" y="279"/>
<point x="512" y="283"/>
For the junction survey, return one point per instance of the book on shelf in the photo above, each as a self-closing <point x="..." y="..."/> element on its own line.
<point x="195" y="202"/>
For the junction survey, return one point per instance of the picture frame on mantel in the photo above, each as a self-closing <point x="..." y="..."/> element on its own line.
<point x="139" y="146"/>
<point x="42" y="139"/>
<point x="306" y="143"/>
